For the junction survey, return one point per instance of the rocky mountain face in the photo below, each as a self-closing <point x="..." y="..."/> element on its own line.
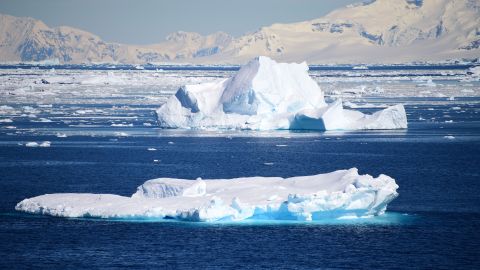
<point x="381" y="31"/>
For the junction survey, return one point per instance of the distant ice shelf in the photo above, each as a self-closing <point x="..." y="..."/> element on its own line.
<point x="340" y="194"/>
<point x="266" y="95"/>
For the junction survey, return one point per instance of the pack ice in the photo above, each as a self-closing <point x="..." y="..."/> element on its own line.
<point x="340" y="194"/>
<point x="266" y="95"/>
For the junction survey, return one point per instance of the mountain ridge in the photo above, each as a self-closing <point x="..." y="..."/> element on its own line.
<point x="380" y="31"/>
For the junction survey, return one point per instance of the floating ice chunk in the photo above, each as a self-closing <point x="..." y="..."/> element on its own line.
<point x="449" y="137"/>
<point x="31" y="144"/>
<point x="6" y="120"/>
<point x="36" y="144"/>
<point x="45" y="144"/>
<point x="121" y="134"/>
<point x="335" y="117"/>
<point x="428" y="83"/>
<point x="122" y="125"/>
<point x="474" y="72"/>
<point x="351" y="105"/>
<point x="266" y="95"/>
<point x="5" y="109"/>
<point x="342" y="193"/>
<point x="152" y="149"/>
<point x="44" y="120"/>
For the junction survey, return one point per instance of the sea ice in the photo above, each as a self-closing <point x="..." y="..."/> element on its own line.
<point x="266" y="95"/>
<point x="31" y="144"/>
<point x="474" y="72"/>
<point x="343" y="193"/>
<point x="35" y="144"/>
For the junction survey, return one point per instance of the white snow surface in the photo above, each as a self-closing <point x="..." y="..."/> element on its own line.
<point x="339" y="194"/>
<point x="379" y="31"/>
<point x="266" y="95"/>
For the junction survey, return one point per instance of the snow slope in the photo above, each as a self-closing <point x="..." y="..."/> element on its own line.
<point x="381" y="31"/>
<point x="266" y="95"/>
<point x="339" y="194"/>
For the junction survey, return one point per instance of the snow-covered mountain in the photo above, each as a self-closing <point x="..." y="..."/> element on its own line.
<point x="27" y="39"/>
<point x="381" y="31"/>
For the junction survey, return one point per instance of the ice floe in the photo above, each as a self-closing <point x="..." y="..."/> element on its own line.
<point x="36" y="144"/>
<point x="340" y="194"/>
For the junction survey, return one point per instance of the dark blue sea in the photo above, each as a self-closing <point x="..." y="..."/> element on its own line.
<point x="433" y="224"/>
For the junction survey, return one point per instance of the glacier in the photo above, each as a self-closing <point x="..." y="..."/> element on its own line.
<point x="339" y="194"/>
<point x="266" y="95"/>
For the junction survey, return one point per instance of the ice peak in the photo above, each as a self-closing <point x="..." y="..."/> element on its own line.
<point x="263" y="86"/>
<point x="266" y="95"/>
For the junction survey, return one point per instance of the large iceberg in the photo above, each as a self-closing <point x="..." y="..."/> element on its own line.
<point x="340" y="194"/>
<point x="266" y="95"/>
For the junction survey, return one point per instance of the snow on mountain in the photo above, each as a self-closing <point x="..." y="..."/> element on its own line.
<point x="186" y="45"/>
<point x="266" y="95"/>
<point x="381" y="31"/>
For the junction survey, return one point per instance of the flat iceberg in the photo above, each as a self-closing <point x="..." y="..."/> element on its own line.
<point x="340" y="194"/>
<point x="266" y="95"/>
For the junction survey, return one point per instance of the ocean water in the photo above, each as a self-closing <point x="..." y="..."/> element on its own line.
<point x="434" y="223"/>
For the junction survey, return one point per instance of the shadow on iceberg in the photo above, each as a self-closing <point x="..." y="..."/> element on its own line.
<point x="343" y="194"/>
<point x="266" y="95"/>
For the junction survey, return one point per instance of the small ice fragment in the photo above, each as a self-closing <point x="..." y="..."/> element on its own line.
<point x="152" y="149"/>
<point x="449" y="137"/>
<point x="268" y="163"/>
<point x="171" y="143"/>
<point x="122" y="125"/>
<point x="31" y="144"/>
<point x="281" y="145"/>
<point x="121" y="134"/>
<point x="45" y="144"/>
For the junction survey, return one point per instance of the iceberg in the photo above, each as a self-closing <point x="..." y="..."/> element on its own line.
<point x="339" y="194"/>
<point x="266" y="95"/>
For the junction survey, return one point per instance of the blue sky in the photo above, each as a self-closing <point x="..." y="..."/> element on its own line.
<point x="149" y="21"/>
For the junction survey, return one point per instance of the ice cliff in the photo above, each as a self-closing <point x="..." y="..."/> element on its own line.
<point x="340" y="194"/>
<point x="266" y="95"/>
